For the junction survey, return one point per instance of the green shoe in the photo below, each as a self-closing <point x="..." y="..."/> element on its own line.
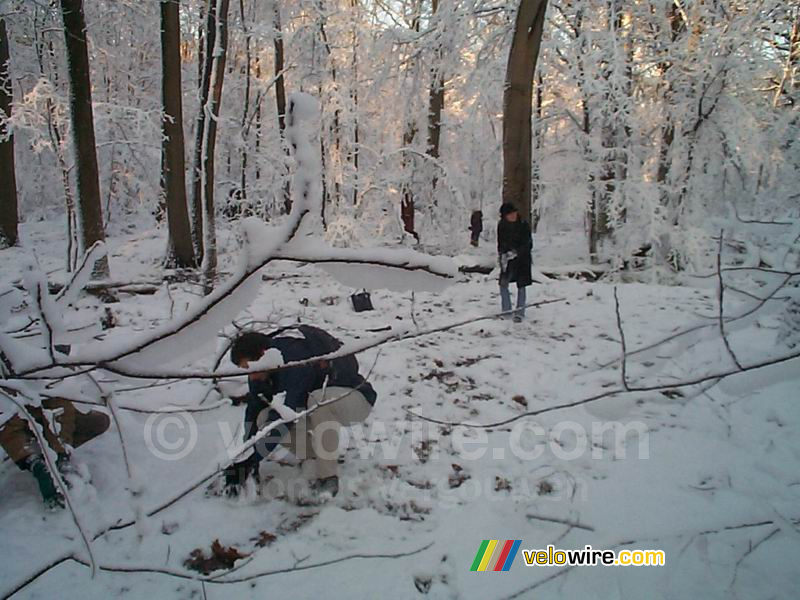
<point x="51" y="496"/>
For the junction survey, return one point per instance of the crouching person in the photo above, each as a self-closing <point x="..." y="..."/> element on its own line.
<point x="340" y="394"/>
<point x="74" y="429"/>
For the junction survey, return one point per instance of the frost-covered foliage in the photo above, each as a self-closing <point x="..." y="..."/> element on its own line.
<point x="673" y="118"/>
<point x="656" y="124"/>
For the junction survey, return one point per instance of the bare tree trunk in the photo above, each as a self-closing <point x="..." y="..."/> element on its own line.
<point x="218" y="54"/>
<point x="246" y="107"/>
<point x="280" y="97"/>
<point x="538" y="143"/>
<point x="435" y="103"/>
<point x="207" y="39"/>
<point x="8" y="181"/>
<point x="354" y="6"/>
<point x="57" y="140"/>
<point x="90" y="209"/>
<point x="332" y="161"/>
<point x="788" y="82"/>
<point x="663" y="171"/>
<point x="517" y="104"/>
<point x="259" y="102"/>
<point x="407" y="202"/>
<point x="180" y="252"/>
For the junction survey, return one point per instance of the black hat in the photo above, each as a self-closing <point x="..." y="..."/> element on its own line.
<point x="507" y="208"/>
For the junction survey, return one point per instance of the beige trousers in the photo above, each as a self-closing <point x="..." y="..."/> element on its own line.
<point x="316" y="436"/>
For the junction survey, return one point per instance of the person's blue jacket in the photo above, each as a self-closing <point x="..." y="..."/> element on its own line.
<point x="295" y="344"/>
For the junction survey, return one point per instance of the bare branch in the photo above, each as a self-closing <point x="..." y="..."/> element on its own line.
<point x="572" y="524"/>
<point x="525" y="592"/>
<point x="391" y="337"/>
<point x="721" y="298"/>
<point x="242" y="578"/>
<point x="611" y="393"/>
<point x="747" y="313"/>
<point x="624" y="358"/>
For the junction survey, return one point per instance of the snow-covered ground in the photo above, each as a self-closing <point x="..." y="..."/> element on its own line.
<point x="709" y="474"/>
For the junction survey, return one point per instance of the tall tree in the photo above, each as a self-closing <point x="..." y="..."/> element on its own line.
<point x="407" y="201"/>
<point x="206" y="40"/>
<point x="280" y="94"/>
<point x="46" y="55"/>
<point x="248" y="68"/>
<point x="8" y="181"/>
<point x="354" y="37"/>
<point x="517" y="104"/>
<point x="789" y="81"/>
<point x="180" y="252"/>
<point x="89" y="208"/>
<point x="435" y="95"/>
<point x="216" y="54"/>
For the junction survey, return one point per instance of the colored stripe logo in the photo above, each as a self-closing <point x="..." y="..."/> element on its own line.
<point x="495" y="555"/>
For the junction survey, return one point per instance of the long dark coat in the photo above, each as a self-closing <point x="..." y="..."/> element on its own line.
<point x="516" y="236"/>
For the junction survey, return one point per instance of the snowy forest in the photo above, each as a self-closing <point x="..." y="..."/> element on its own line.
<point x="232" y="231"/>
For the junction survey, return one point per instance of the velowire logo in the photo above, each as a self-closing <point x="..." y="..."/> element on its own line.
<point x="495" y="555"/>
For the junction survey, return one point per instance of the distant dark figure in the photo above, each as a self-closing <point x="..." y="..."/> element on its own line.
<point x="476" y="227"/>
<point x="514" y="245"/>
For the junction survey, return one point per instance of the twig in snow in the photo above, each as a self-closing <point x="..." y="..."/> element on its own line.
<point x="572" y="524"/>
<point x="624" y="357"/>
<point x="525" y="592"/>
<point x="721" y="299"/>
<point x="684" y="332"/>
<point x="750" y="550"/>
<point x="611" y="393"/>
<point x="296" y="568"/>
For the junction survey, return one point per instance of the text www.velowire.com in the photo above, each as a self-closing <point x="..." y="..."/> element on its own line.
<point x="589" y="557"/>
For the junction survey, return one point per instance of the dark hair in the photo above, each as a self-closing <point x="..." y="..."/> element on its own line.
<point x="507" y="208"/>
<point x="250" y="345"/>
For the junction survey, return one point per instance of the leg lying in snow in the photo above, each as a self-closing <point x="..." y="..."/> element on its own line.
<point x="74" y="429"/>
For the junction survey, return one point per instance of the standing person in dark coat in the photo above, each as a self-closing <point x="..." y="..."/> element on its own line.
<point x="476" y="227"/>
<point x="343" y="397"/>
<point x="514" y="245"/>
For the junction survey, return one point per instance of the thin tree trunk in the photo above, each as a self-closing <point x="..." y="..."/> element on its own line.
<point x="329" y="172"/>
<point x="208" y="38"/>
<point x="517" y="104"/>
<point x="218" y="54"/>
<point x="258" y="121"/>
<point x="9" y="216"/>
<point x="435" y="102"/>
<point x="246" y="107"/>
<point x="354" y="6"/>
<point x="180" y="252"/>
<point x="407" y="201"/>
<point x="407" y="207"/>
<point x="538" y="142"/>
<point x="57" y="141"/>
<point x="280" y="98"/>
<point x="90" y="209"/>
<point x="663" y="170"/>
<point x="787" y="82"/>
